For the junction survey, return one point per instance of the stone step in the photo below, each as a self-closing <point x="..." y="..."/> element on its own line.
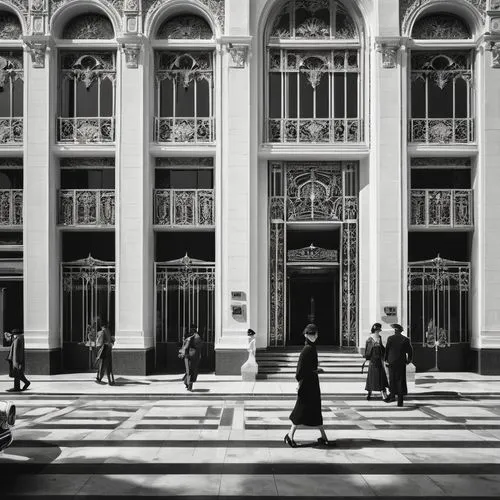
<point x="292" y="370"/>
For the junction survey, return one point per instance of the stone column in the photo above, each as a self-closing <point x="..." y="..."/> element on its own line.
<point x="40" y="235"/>
<point x="235" y="226"/>
<point x="385" y="175"/>
<point x="134" y="348"/>
<point x="485" y="256"/>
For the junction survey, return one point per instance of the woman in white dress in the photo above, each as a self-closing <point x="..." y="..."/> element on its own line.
<point x="250" y="366"/>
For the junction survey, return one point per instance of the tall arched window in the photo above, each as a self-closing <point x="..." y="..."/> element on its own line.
<point x="87" y="83"/>
<point x="184" y="81"/>
<point x="11" y="80"/>
<point x="442" y="110"/>
<point x="313" y="74"/>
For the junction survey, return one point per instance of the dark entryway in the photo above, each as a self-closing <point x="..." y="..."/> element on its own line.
<point x="313" y="295"/>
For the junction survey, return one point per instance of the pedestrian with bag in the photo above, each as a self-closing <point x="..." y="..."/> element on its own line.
<point x="104" y="359"/>
<point x="191" y="353"/>
<point x="376" y="379"/>
<point x="307" y="410"/>
<point x="398" y="354"/>
<point x="16" y="359"/>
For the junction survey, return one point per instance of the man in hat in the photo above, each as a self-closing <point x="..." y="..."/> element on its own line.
<point x="398" y="354"/>
<point x="16" y="360"/>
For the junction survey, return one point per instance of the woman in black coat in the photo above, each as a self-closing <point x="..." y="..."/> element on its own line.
<point x="307" y="410"/>
<point x="376" y="379"/>
<point x="191" y="351"/>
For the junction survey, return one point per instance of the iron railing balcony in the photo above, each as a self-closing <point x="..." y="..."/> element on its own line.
<point x="441" y="130"/>
<point x="86" y="130"/>
<point x="87" y="207"/>
<point x="184" y="130"/>
<point x="11" y="207"/>
<point x="184" y="207"/>
<point x="11" y="130"/>
<point x="441" y="208"/>
<point x="315" y="130"/>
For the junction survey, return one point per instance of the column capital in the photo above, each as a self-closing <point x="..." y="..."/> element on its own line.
<point x="37" y="46"/>
<point x="131" y="47"/>
<point x="492" y="44"/>
<point x="388" y="47"/>
<point x="238" y="48"/>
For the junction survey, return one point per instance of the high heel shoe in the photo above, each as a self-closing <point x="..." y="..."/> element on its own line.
<point x="323" y="441"/>
<point x="289" y="441"/>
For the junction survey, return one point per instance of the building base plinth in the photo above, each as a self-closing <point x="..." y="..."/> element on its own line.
<point x="486" y="361"/>
<point x="43" y="361"/>
<point x="229" y="361"/>
<point x="133" y="361"/>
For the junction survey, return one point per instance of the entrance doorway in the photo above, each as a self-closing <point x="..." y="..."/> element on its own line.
<point x="313" y="296"/>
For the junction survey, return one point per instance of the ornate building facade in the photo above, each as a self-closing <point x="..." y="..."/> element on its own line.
<point x="242" y="164"/>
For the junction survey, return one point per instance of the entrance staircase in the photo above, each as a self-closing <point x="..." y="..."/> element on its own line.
<point x="338" y="364"/>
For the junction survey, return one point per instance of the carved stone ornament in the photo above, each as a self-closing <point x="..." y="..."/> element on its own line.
<point x="389" y="54"/>
<point x="495" y="55"/>
<point x="495" y="25"/>
<point x="10" y="27"/>
<point x="494" y="5"/>
<point x="37" y="5"/>
<point x="132" y="5"/>
<point x="132" y="53"/>
<point x="37" y="50"/>
<point x="239" y="54"/>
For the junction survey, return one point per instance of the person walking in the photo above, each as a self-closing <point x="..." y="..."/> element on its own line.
<point x="376" y="380"/>
<point x="16" y="359"/>
<point x="191" y="352"/>
<point x="104" y="344"/>
<point x="398" y="354"/>
<point x="307" y="410"/>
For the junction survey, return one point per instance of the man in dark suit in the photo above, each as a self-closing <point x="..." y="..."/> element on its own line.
<point x="398" y="354"/>
<point x="16" y="360"/>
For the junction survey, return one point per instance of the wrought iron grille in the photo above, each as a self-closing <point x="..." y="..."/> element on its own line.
<point x="444" y="82"/>
<point x="184" y="207"/>
<point x="11" y="207"/>
<point x="88" y="296"/>
<point x="11" y="78"/>
<point x="313" y="19"/>
<point x="452" y="208"/>
<point x="87" y="207"/>
<point x="312" y="192"/>
<point x="318" y="95"/>
<point x="185" y="295"/>
<point x="438" y="302"/>
<point x="184" y="92"/>
<point x="88" y="75"/>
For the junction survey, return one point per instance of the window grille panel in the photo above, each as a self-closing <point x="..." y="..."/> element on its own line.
<point x="11" y="97"/>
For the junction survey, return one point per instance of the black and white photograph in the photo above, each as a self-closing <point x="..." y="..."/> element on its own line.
<point x="249" y="248"/>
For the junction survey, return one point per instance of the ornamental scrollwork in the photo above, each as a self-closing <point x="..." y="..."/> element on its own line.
<point x="132" y="53"/>
<point x="37" y="5"/>
<point x="440" y="26"/>
<point x="441" y="68"/>
<point x="440" y="162"/>
<point x="37" y="50"/>
<point x="389" y="54"/>
<point x="89" y="26"/>
<point x="89" y="67"/>
<point x="313" y="19"/>
<point x="185" y="27"/>
<point x="86" y="207"/>
<point x="10" y="26"/>
<point x="407" y="9"/>
<point x="239" y="54"/>
<point x="75" y="163"/>
<point x="184" y="162"/>
<point x="11" y="207"/>
<point x="11" y="68"/>
<point x="184" y="67"/>
<point x="495" y="55"/>
<point x="115" y="4"/>
<point x="312" y="254"/>
<point x="349" y="284"/>
<point x="188" y="207"/>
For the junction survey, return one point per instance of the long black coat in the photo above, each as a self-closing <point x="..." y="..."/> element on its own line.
<point x="307" y="409"/>
<point x="376" y="379"/>
<point x="398" y="353"/>
<point x="192" y="348"/>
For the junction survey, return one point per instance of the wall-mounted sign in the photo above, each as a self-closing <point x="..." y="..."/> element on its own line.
<point x="236" y="295"/>
<point x="391" y="310"/>
<point x="238" y="312"/>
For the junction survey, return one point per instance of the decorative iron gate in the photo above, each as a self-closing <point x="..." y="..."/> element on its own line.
<point x="438" y="302"/>
<point x="185" y="295"/>
<point x="88" y="298"/>
<point x="313" y="192"/>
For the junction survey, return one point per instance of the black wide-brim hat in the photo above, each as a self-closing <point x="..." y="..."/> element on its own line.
<point x="397" y="326"/>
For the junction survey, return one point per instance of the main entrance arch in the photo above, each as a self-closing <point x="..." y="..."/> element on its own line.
<point x="313" y="236"/>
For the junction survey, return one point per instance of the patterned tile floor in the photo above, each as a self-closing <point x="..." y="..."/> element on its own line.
<point x="216" y="444"/>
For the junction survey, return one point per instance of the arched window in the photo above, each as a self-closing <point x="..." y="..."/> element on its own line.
<point x="87" y="27"/>
<point x="11" y="97"/>
<point x="87" y="83"/>
<point x="184" y="80"/>
<point x="441" y="83"/>
<point x="10" y="26"/>
<point x="313" y="93"/>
